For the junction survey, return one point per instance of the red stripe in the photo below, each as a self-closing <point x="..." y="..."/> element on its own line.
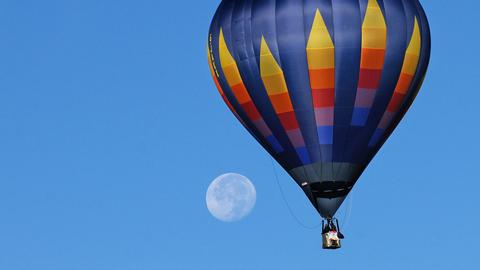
<point x="288" y="120"/>
<point x="395" y="102"/>
<point x="369" y="78"/>
<point x="251" y="110"/>
<point x="323" y="98"/>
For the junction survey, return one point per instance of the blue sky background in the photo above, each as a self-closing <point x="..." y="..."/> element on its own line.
<point x="111" y="131"/>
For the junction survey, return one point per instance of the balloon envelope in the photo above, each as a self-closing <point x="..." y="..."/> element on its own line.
<point x="320" y="84"/>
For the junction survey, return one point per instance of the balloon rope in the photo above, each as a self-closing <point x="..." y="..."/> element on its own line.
<point x="348" y="211"/>
<point x="288" y="205"/>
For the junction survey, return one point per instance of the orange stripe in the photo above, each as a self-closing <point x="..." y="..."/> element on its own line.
<point x="372" y="58"/>
<point x="322" y="78"/>
<point x="403" y="83"/>
<point x="281" y="103"/>
<point x="240" y="93"/>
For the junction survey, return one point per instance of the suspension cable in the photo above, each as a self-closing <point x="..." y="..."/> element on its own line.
<point x="299" y="222"/>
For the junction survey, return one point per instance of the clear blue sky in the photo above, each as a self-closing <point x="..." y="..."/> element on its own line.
<point x="111" y="131"/>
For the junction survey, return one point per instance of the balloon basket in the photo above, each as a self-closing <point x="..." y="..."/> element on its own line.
<point x="331" y="235"/>
<point x="331" y="241"/>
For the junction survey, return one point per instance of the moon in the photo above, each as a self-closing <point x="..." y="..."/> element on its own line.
<point x="231" y="197"/>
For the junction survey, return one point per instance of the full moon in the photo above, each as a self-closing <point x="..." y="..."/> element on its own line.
<point x="231" y="197"/>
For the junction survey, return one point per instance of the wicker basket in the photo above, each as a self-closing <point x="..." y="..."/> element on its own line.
<point x="331" y="240"/>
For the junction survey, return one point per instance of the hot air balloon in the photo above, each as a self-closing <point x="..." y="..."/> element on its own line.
<point x="320" y="84"/>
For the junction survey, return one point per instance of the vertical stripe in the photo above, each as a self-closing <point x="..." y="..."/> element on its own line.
<point x="321" y="66"/>
<point x="219" y="87"/>
<point x="374" y="42"/>
<point x="409" y="68"/>
<point x="276" y="87"/>
<point x="235" y="82"/>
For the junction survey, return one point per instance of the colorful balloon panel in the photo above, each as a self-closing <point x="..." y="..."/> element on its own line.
<point x="321" y="84"/>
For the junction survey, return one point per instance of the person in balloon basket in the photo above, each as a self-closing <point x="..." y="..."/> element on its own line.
<point x="331" y="236"/>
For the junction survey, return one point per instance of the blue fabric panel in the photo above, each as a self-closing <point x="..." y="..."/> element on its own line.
<point x="360" y="116"/>
<point x="292" y="53"/>
<point x="264" y="24"/>
<point x="347" y="27"/>
<point x="325" y="134"/>
<point x="303" y="154"/>
<point x="275" y="144"/>
<point x="377" y="136"/>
